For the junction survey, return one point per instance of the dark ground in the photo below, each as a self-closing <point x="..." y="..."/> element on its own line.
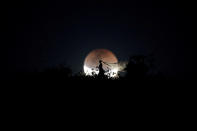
<point x="86" y="103"/>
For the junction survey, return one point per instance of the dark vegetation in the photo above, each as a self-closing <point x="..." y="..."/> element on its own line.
<point x="140" y="90"/>
<point x="140" y="71"/>
<point x="138" y="68"/>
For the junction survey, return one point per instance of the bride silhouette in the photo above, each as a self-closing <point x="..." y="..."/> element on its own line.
<point x="101" y="70"/>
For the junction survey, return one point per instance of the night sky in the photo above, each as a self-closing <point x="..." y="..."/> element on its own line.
<point x="44" y="34"/>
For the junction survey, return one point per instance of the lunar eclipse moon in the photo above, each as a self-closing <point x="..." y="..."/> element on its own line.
<point x="92" y="61"/>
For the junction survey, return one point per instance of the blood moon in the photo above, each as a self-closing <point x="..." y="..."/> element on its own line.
<point x="92" y="61"/>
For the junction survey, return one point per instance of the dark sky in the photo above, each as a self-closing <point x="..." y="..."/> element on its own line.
<point x="48" y="33"/>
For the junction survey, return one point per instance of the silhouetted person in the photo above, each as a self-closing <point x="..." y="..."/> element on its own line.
<point x="101" y="70"/>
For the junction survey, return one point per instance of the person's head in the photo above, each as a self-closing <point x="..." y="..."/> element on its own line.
<point x="100" y="61"/>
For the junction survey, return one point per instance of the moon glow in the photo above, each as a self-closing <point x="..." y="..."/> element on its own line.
<point x="92" y="61"/>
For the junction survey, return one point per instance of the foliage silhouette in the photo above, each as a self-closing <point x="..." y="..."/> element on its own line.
<point x="138" y="68"/>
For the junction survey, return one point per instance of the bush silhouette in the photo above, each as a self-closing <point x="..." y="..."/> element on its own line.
<point x="136" y="67"/>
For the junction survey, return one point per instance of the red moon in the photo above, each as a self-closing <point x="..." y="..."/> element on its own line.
<point x="92" y="61"/>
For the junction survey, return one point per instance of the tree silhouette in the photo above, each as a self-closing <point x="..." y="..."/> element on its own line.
<point x="58" y="72"/>
<point x="136" y="67"/>
<point x="139" y="68"/>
